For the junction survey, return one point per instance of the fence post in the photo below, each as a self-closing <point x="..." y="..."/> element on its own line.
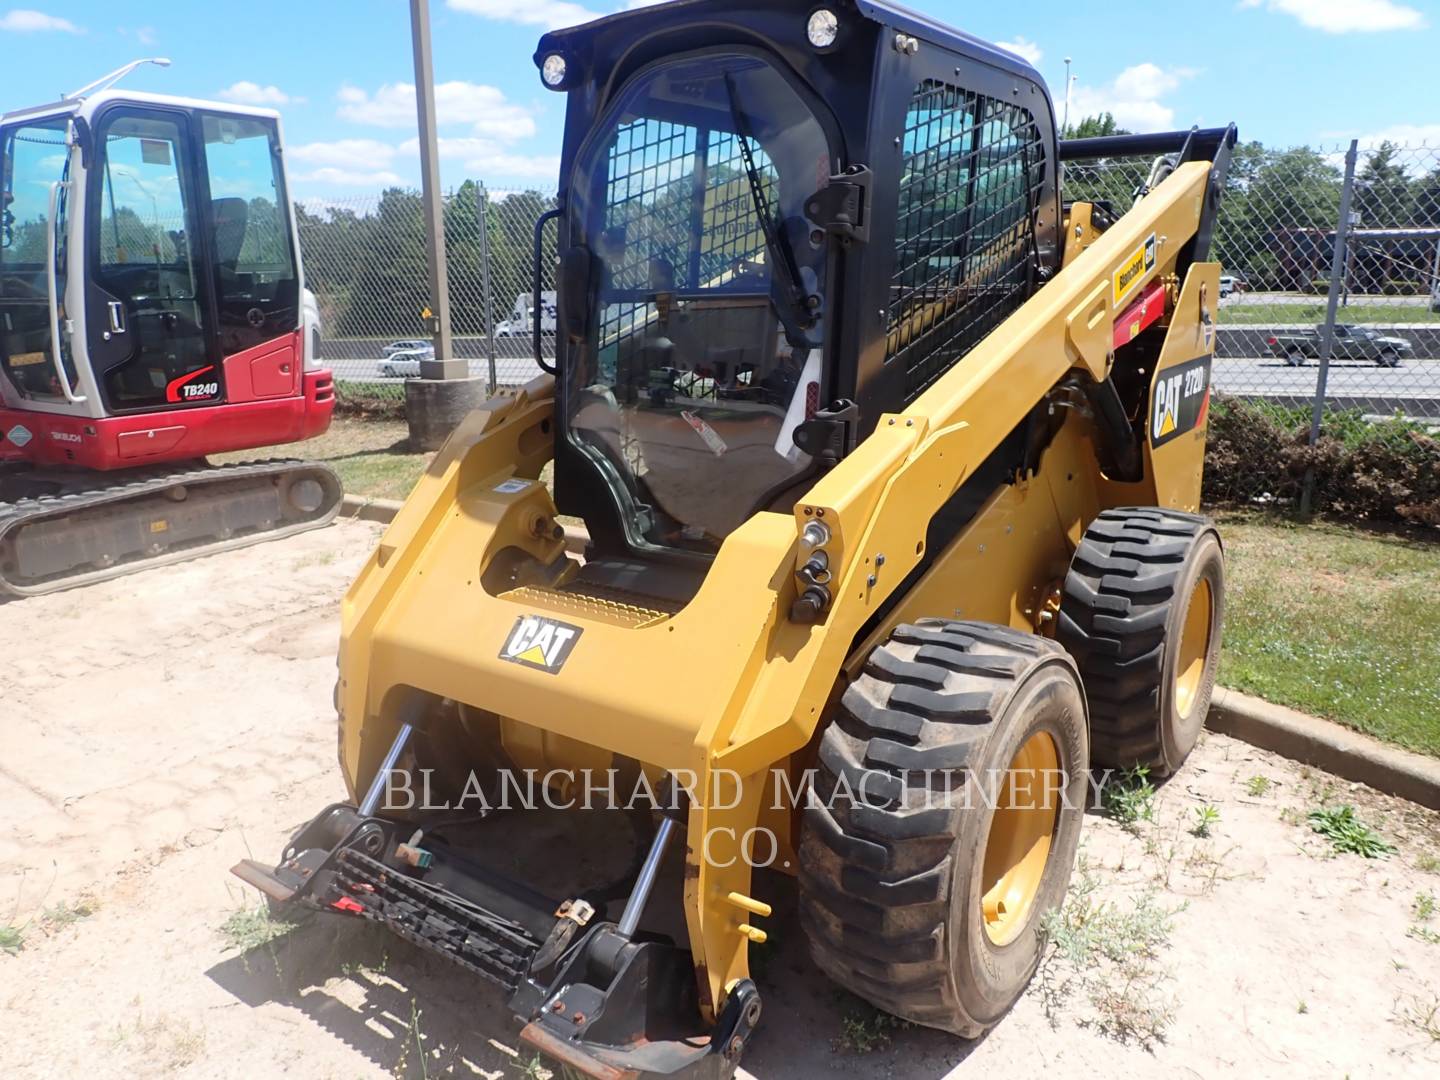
<point x="1327" y="332"/>
<point x="482" y="209"/>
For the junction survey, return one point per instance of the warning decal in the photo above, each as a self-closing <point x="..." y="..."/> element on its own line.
<point x="1129" y="273"/>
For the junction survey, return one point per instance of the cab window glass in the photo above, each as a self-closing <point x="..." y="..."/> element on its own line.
<point x="256" y="286"/>
<point x="35" y="157"/>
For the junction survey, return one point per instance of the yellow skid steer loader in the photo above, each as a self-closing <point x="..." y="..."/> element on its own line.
<point x="889" y="460"/>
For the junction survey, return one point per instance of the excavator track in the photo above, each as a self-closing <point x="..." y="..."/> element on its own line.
<point x="87" y="529"/>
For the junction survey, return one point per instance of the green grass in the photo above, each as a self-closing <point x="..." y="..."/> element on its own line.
<point x="1129" y="797"/>
<point x="1376" y="314"/>
<point x="250" y="928"/>
<point x="68" y="912"/>
<point x="1258" y="786"/>
<point x="1335" y="622"/>
<point x="1347" y="833"/>
<point x="1205" y="819"/>
<point x="373" y="457"/>
<point x="12" y="939"/>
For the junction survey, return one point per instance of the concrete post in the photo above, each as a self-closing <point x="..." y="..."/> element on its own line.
<point x="444" y="366"/>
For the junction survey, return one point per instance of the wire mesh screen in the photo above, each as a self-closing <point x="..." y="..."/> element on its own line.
<point x="679" y="214"/>
<point x="972" y="170"/>
<point x="650" y="198"/>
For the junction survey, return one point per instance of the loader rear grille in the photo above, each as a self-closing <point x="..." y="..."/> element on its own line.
<point x="965" y="238"/>
<point x="479" y="941"/>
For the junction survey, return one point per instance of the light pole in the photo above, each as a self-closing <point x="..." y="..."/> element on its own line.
<point x="444" y="365"/>
<point x="1065" y="124"/>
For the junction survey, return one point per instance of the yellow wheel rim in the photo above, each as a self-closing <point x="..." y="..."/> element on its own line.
<point x="1194" y="648"/>
<point x="1027" y="808"/>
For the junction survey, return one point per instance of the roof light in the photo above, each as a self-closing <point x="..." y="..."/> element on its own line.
<point x="552" y="71"/>
<point x="822" y="28"/>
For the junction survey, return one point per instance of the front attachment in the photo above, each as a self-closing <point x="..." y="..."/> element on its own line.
<point x="608" y="1003"/>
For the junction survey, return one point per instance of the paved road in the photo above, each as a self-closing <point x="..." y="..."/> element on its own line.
<point x="1417" y="380"/>
<point x="511" y="371"/>
<point x="1279" y="299"/>
<point x="1413" y="387"/>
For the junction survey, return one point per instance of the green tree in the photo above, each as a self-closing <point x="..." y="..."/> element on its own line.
<point x="1092" y="127"/>
<point x="1279" y="235"/>
<point x="1383" y="199"/>
<point x="1382" y="189"/>
<point x="1427" y="200"/>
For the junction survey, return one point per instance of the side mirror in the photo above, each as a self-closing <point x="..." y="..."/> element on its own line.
<point x="578" y="281"/>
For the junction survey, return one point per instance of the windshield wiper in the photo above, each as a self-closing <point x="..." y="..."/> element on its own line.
<point x="796" y="311"/>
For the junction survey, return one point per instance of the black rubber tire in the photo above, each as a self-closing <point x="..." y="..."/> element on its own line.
<point x="1295" y="358"/>
<point x="890" y="890"/>
<point x="1122" y="609"/>
<point x="1388" y="358"/>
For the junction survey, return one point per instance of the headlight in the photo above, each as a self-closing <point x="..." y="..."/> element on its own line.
<point x="822" y="28"/>
<point x="552" y="71"/>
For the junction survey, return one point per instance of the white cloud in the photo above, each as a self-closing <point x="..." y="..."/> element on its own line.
<point x="249" y="93"/>
<point x="146" y="35"/>
<point x="1132" y="97"/>
<point x="357" y="155"/>
<point x="547" y="13"/>
<point x="486" y="158"/>
<point x="1346" y="16"/>
<point x="351" y="177"/>
<point x="26" y="21"/>
<point x="1024" y="48"/>
<point x="1427" y="135"/>
<point x="484" y="108"/>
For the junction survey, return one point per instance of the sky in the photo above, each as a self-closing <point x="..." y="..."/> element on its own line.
<point x="340" y="71"/>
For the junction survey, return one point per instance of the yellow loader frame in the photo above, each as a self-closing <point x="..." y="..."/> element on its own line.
<point x="419" y="618"/>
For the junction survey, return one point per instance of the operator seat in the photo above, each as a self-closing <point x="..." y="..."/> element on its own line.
<point x="231" y="216"/>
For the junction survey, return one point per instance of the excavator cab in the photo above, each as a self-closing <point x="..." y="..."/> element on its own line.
<point x="889" y="465"/>
<point x="149" y="264"/>
<point x="152" y="311"/>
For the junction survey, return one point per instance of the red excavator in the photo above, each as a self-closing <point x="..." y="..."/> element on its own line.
<point x="153" y="311"/>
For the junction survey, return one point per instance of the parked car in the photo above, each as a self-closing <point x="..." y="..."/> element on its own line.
<point x="424" y="348"/>
<point x="403" y="364"/>
<point x="1351" y="343"/>
<point x="1232" y="283"/>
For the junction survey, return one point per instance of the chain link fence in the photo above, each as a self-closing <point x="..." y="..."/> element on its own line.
<point x="365" y="261"/>
<point x="1276" y="241"/>
<point x="1295" y="225"/>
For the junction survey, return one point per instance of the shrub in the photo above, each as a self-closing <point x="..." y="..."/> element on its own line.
<point x="1386" y="471"/>
<point x="370" y="401"/>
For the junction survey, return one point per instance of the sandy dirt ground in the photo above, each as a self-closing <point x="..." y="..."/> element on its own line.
<point x="158" y="728"/>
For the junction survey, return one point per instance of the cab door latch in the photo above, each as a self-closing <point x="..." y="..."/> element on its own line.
<point x="841" y="208"/>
